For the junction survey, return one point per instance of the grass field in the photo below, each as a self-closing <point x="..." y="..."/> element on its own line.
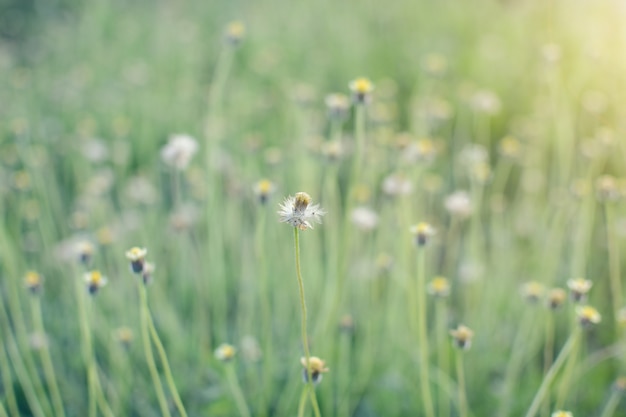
<point x="470" y="173"/>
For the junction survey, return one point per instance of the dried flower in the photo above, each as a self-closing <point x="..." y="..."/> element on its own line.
<point x="361" y="89"/>
<point x="95" y="280"/>
<point x="33" y="282"/>
<point x="579" y="288"/>
<point x="338" y="105"/>
<point x="588" y="315"/>
<point x="364" y="218"/>
<point x="235" y="31"/>
<point x="225" y="352"/>
<point x="462" y="336"/>
<point x="422" y="232"/>
<point x="84" y="250"/>
<point x="316" y="367"/>
<point x="606" y="188"/>
<point x="439" y="287"/>
<point x="556" y="298"/>
<point x="147" y="272"/>
<point x="459" y="204"/>
<point x="298" y="211"/>
<point x="179" y="150"/>
<point x="137" y="258"/>
<point x="263" y="190"/>
<point x="124" y="335"/>
<point x="532" y="291"/>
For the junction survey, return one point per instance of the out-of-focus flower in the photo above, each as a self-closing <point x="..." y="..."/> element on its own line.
<point x="459" y="204"/>
<point x="33" y="282"/>
<point x="316" y="367"/>
<point x="462" y="336"/>
<point x="124" y="335"/>
<point x="337" y="105"/>
<point x="579" y="288"/>
<point x="439" y="287"/>
<point x="364" y="218"/>
<point x="532" y="291"/>
<point x="422" y="232"/>
<point x="435" y="64"/>
<point x="485" y="101"/>
<point x="606" y="188"/>
<point x="95" y="280"/>
<point x="396" y="185"/>
<point x="263" y="190"/>
<point x="556" y="298"/>
<point x="225" y="352"/>
<point x="137" y="258"/>
<point x="588" y="315"/>
<point x="361" y="89"/>
<point x="235" y="32"/>
<point x="179" y="150"/>
<point x="95" y="150"/>
<point x="250" y="349"/>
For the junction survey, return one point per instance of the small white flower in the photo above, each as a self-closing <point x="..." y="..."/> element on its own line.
<point x="459" y="204"/>
<point x="365" y="218"/>
<point x="179" y="150"/>
<point x="298" y="211"/>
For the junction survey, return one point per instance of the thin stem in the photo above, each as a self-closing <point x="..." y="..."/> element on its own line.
<point x="614" y="267"/>
<point x="3" y="412"/>
<point x="460" y="371"/>
<point x="443" y="355"/>
<point x="566" y="378"/>
<point x="611" y="405"/>
<point x="148" y="352"/>
<point x="548" y="357"/>
<point x="305" y="341"/>
<point x="165" y="363"/>
<point x="236" y="390"/>
<point x="302" y="402"/>
<point x="46" y="360"/>
<point x="554" y="369"/>
<point x="422" y="333"/>
<point x="7" y="381"/>
<point x="87" y="350"/>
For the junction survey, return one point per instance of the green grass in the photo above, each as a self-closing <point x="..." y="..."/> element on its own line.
<point x="130" y="74"/>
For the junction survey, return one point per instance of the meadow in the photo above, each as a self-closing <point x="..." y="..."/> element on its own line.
<point x="330" y="208"/>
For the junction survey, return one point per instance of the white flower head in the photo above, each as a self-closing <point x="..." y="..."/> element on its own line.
<point x="459" y="204"/>
<point x="299" y="212"/>
<point x="179" y="150"/>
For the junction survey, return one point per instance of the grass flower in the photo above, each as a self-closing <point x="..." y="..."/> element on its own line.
<point x="462" y="337"/>
<point x="124" y="336"/>
<point x="137" y="258"/>
<point x="396" y="185"/>
<point x="84" y="251"/>
<point x="556" y="298"/>
<point x="532" y="291"/>
<point x="439" y="287"/>
<point x="459" y="204"/>
<point x="316" y="368"/>
<point x="95" y="280"/>
<point x="33" y="282"/>
<point x="510" y="147"/>
<point x="299" y="212"/>
<point x="422" y="232"/>
<point x="588" y="316"/>
<point x="235" y="32"/>
<point x="332" y="150"/>
<point x="579" y="288"/>
<point x="361" y="89"/>
<point x="179" y="150"/>
<point x="263" y="190"/>
<point x="562" y="414"/>
<point x="225" y="352"/>
<point x="607" y="189"/>
<point x="337" y="105"/>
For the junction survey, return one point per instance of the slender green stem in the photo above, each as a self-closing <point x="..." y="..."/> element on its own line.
<point x="568" y="373"/>
<point x="147" y="346"/>
<point x="302" y="402"/>
<point x="305" y="341"/>
<point x="460" y="372"/>
<point x="169" y="378"/>
<point x="7" y="381"/>
<point x="18" y="365"/>
<point x="614" y="265"/>
<point x="101" y="400"/>
<point x="443" y="355"/>
<point x="611" y="405"/>
<point x="554" y="369"/>
<point x="3" y="412"/>
<point x="46" y="360"/>
<point x="236" y="390"/>
<point x="87" y="349"/>
<point x="548" y="357"/>
<point x="422" y="333"/>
